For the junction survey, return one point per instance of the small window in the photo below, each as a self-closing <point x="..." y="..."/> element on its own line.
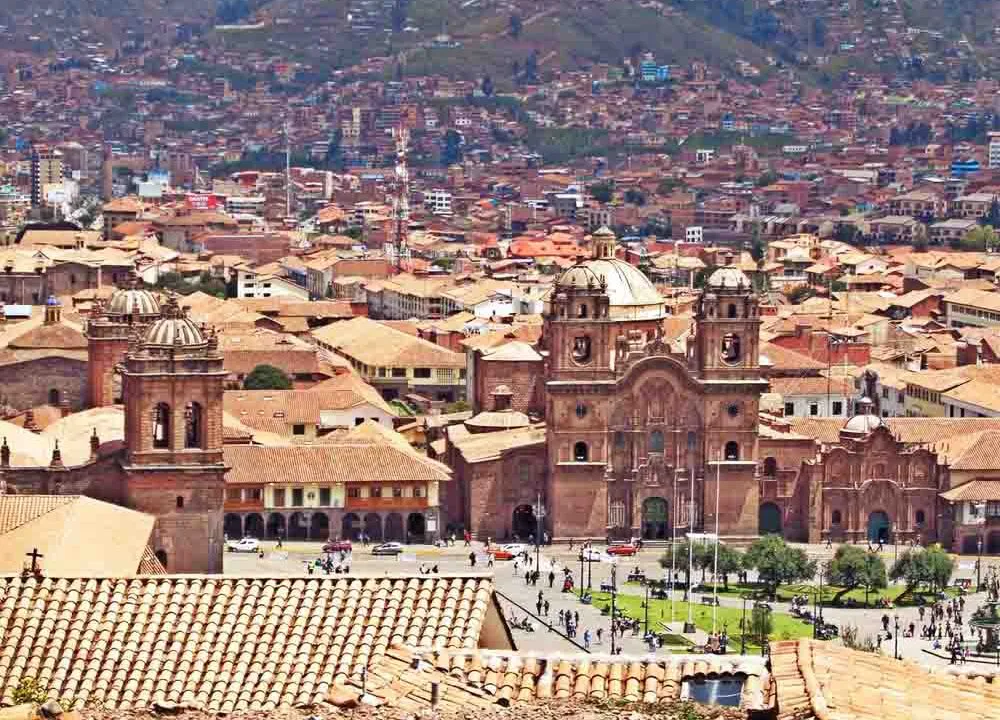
<point x="279" y="497"/>
<point x="376" y="491"/>
<point x="324" y="497"/>
<point x="298" y="429"/>
<point x="838" y="407"/>
<point x="789" y="409"/>
<point x="254" y="494"/>
<point x="418" y="491"/>
<point x="53" y="397"/>
<point x="179" y="501"/>
<point x="233" y="494"/>
<point x="581" y="349"/>
<point x="358" y="421"/>
<point x="423" y="373"/>
<point x="580" y="452"/>
<point x="814" y="409"/>
<point x="399" y="372"/>
<point x="731" y="348"/>
<point x="656" y="441"/>
<point x="770" y="467"/>
<point x="835" y="517"/>
<point x="731" y="311"/>
<point x="353" y="492"/>
<point x="297" y="497"/>
<point x="397" y="491"/>
<point x="581" y="410"/>
<point x="920" y="518"/>
<point x="732" y="451"/>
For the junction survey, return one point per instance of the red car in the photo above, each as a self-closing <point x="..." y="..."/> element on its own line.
<point x="336" y="546"/>
<point x="501" y="554"/>
<point x="622" y="549"/>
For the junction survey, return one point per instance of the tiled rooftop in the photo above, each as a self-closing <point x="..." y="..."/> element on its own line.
<point x="223" y="644"/>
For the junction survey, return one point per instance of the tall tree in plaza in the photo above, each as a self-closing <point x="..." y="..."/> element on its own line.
<point x="776" y="562"/>
<point x="932" y="567"/>
<point x="852" y="568"/>
<point x="677" y="556"/>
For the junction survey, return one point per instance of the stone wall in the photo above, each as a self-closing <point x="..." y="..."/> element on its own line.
<point x="27" y="384"/>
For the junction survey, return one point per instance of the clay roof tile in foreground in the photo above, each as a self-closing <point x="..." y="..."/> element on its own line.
<point x="248" y="644"/>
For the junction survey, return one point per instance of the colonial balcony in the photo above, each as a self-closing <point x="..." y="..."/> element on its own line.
<point x="387" y="503"/>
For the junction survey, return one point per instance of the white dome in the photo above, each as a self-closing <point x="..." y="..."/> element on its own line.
<point x="863" y="424"/>
<point x="126" y="301"/>
<point x="631" y="294"/>
<point x="729" y="278"/>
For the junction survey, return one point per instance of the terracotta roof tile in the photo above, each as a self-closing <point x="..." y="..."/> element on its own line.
<point x="18" y="510"/>
<point x="247" y="643"/>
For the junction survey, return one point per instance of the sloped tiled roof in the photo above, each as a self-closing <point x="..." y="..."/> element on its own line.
<point x="829" y="682"/>
<point x="974" y="491"/>
<point x="481" y="680"/>
<point x="150" y="564"/>
<point x="17" y="510"/>
<point x="223" y="644"/>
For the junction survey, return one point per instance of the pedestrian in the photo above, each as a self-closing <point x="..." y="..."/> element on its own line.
<point x="600" y="631"/>
<point x="562" y="617"/>
<point x="472" y="559"/>
<point x="545" y="607"/>
<point x="576" y="617"/>
<point x="538" y="606"/>
<point x="586" y="639"/>
<point x="516" y="565"/>
<point x="552" y="578"/>
<point x="468" y="538"/>
<point x="489" y="561"/>
<point x="885" y="622"/>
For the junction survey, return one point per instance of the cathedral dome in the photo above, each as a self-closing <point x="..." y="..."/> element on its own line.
<point x="865" y="421"/>
<point x="629" y="291"/>
<point x="729" y="278"/>
<point x="174" y="329"/>
<point x="126" y="301"/>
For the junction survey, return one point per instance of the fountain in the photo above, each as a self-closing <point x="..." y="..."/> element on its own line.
<point x="987" y="619"/>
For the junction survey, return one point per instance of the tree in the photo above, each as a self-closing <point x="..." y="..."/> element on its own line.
<point x="668" y="185"/>
<point x="451" y="151"/>
<point x="992" y="217"/>
<point x="852" y="567"/>
<point x="757" y="247"/>
<point x="730" y="561"/>
<point x="677" y="556"/>
<point x="930" y="566"/>
<point x="799" y="294"/>
<point x="979" y="239"/>
<point x="776" y="562"/>
<point x="267" y="377"/>
<point x="531" y="67"/>
<point x="487" y="86"/>
<point x="515" y="25"/>
<point x="768" y="177"/>
<point x="635" y="197"/>
<point x="601" y="192"/>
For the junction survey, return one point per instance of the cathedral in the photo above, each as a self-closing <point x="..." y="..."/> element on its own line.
<point x="169" y="371"/>
<point x="641" y="434"/>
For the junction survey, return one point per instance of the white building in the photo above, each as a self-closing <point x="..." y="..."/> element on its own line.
<point x="694" y="234"/>
<point x="814" y="396"/>
<point x="438" y="201"/>
<point x="994" y="158"/>
<point x="251" y="284"/>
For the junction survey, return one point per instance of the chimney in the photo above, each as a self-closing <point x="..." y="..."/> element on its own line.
<point x="56" y="457"/>
<point x="5" y="454"/>
<point x="95" y="443"/>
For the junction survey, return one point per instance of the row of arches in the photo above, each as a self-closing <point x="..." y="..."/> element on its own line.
<point x="301" y="526"/>
<point x="730" y="453"/>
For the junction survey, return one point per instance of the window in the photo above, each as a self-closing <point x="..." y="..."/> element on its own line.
<point x="583" y="311"/>
<point x="192" y="425"/>
<point x="418" y="491"/>
<point x="376" y="491"/>
<point x="731" y="311"/>
<point x="161" y="426"/>
<point x="581" y="349"/>
<point x="838" y="407"/>
<point x="179" y="501"/>
<point x="580" y="452"/>
<point x="656" y="441"/>
<point x="254" y="494"/>
<point x="730" y="348"/>
<point x="732" y="451"/>
<point x="279" y="497"/>
<point x="835" y="517"/>
<point x="296" y="497"/>
<point x="581" y="410"/>
<point x="993" y="508"/>
<point x="298" y="429"/>
<point x="353" y="492"/>
<point x="397" y="491"/>
<point x="789" y="409"/>
<point x="399" y="372"/>
<point x="233" y="494"/>
<point x="423" y="373"/>
<point x="616" y="514"/>
<point x="920" y="518"/>
<point x="770" y="467"/>
<point x="53" y="397"/>
<point x="324" y="497"/>
<point x="813" y="409"/>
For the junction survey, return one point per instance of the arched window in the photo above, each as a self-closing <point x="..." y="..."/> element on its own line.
<point x="581" y="453"/>
<point x="730" y="348"/>
<point x="731" y="310"/>
<point x="770" y="467"/>
<point x="161" y="426"/>
<point x="583" y="311"/>
<point x="524" y="472"/>
<point x="656" y="441"/>
<point x="921" y="518"/>
<point x="835" y="517"/>
<point x="732" y="451"/>
<point x="54" y="397"/>
<point x="180" y="502"/>
<point x="581" y="349"/>
<point x="192" y="425"/>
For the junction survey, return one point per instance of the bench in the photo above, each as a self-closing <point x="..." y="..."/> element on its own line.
<point x="709" y="600"/>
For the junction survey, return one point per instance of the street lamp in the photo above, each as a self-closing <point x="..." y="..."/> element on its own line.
<point x="979" y="562"/>
<point x="539" y="511"/>
<point x="743" y="624"/>
<point x="581" y="573"/>
<point x="896" y="638"/>
<point x="614" y="589"/>
<point x="646" y="620"/>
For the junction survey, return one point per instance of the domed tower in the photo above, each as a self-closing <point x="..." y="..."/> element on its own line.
<point x="128" y="310"/>
<point x="172" y="382"/>
<point x="591" y="306"/>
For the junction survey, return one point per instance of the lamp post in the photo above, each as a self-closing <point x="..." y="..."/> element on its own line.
<point x="765" y="611"/>
<point x="743" y="624"/>
<point x="896" y="637"/>
<point x="979" y="562"/>
<point x="539" y="511"/>
<point x="614" y="589"/>
<point x="581" y="573"/>
<point x="646" y="619"/>
<point x="715" y="567"/>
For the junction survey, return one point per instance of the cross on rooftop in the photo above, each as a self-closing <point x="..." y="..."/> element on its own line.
<point x="35" y="556"/>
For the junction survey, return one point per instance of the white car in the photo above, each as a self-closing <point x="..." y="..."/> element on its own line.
<point x="389" y="548"/>
<point x="515" y="548"/>
<point x="247" y="544"/>
<point x="592" y="555"/>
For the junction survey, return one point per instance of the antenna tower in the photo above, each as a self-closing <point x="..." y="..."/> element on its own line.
<point x="401" y="203"/>
<point x="288" y="173"/>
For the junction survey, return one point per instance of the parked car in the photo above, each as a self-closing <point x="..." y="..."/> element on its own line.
<point x="338" y="546"/>
<point x="621" y="549"/>
<point x="389" y="548"/>
<point x="591" y="555"/>
<point x="247" y="544"/>
<point x="515" y="548"/>
<point x="500" y="553"/>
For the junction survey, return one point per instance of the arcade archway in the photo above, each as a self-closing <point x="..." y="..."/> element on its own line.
<point x="522" y="522"/>
<point x="394" y="527"/>
<point x="232" y="526"/>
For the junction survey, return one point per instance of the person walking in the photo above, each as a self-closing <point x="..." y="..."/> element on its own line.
<point x="472" y="559"/>
<point x="545" y="607"/>
<point x="586" y="639"/>
<point x="552" y="578"/>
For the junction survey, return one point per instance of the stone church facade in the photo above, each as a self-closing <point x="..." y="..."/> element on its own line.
<point x="170" y="465"/>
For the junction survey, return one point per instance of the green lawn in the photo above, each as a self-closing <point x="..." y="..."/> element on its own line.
<point x="785" y="626"/>
<point x="787" y="592"/>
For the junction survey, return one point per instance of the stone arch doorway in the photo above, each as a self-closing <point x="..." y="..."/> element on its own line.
<point x="232" y="526"/>
<point x="655" y="519"/>
<point x="373" y="527"/>
<point x="253" y="526"/>
<point x="769" y="519"/>
<point x="416" y="526"/>
<point x="276" y="525"/>
<point x="319" y="526"/>
<point x="879" y="527"/>
<point x="298" y="529"/>
<point x="350" y="527"/>
<point x="522" y="522"/>
<point x="394" y="527"/>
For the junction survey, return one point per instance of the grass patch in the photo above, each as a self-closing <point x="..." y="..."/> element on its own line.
<point x="787" y="592"/>
<point x="785" y="626"/>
